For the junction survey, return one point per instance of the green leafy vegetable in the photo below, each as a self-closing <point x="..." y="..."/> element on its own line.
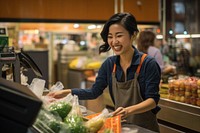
<point x="75" y="123"/>
<point x="61" y="107"/>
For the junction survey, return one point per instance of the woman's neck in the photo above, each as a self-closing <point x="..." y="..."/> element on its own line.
<point x="125" y="61"/>
<point x="127" y="58"/>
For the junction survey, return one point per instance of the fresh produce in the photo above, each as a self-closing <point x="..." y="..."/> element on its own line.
<point x="65" y="116"/>
<point x="73" y="63"/>
<point x="75" y="124"/>
<point x="48" y="123"/>
<point x="84" y="63"/>
<point x="62" y="108"/>
<point x="42" y="127"/>
<point x="94" y="125"/>
<point x="93" y="65"/>
<point x="55" y="125"/>
<point x="108" y="131"/>
<point x="74" y="119"/>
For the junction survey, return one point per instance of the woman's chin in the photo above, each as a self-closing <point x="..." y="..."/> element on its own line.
<point x="117" y="52"/>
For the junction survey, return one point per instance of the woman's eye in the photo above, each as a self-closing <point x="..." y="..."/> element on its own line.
<point x="109" y="37"/>
<point x="119" y="35"/>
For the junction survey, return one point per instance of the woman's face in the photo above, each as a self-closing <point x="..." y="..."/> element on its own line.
<point x="119" y="39"/>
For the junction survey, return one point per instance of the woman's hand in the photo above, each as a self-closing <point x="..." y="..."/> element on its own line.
<point x="59" y="94"/>
<point x="121" y="111"/>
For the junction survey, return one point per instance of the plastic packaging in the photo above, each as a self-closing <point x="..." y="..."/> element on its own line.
<point x="57" y="86"/>
<point x="47" y="122"/>
<point x="37" y="86"/>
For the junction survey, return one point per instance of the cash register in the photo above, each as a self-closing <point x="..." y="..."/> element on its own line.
<point x="19" y="105"/>
<point x="10" y="59"/>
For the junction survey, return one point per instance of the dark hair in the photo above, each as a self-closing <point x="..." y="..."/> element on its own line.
<point x="127" y="20"/>
<point x="145" y="39"/>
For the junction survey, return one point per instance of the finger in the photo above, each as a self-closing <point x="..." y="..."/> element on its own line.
<point x="123" y="120"/>
<point x="54" y="95"/>
<point x="117" y="111"/>
<point x="122" y="113"/>
<point x="52" y="100"/>
<point x="50" y="94"/>
<point x="123" y="116"/>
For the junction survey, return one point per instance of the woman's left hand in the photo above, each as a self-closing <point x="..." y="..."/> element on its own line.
<point x="121" y="111"/>
<point x="59" y="94"/>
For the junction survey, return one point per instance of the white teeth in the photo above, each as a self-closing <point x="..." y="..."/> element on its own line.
<point x="117" y="47"/>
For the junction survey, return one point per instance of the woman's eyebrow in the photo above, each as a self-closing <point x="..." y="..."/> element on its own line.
<point x="116" y="33"/>
<point x="119" y="33"/>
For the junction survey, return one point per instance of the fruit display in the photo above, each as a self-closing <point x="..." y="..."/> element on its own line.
<point x="84" y="63"/>
<point x="93" y="65"/>
<point x="186" y="90"/>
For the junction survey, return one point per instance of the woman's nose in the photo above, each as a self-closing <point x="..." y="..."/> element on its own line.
<point x="115" y="40"/>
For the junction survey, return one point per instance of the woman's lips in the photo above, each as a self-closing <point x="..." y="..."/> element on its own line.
<point x="117" y="48"/>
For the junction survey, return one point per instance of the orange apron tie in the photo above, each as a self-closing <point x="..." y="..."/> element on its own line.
<point x="141" y="61"/>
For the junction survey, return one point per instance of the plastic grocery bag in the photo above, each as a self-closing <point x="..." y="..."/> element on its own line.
<point x="97" y="122"/>
<point x="56" y="87"/>
<point x="51" y="116"/>
<point x="47" y="122"/>
<point x="74" y="120"/>
<point x="61" y="107"/>
<point x="37" y="86"/>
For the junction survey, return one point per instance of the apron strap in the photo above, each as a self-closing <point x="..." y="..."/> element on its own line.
<point x="114" y="68"/>
<point x="141" y="61"/>
<point x="139" y="66"/>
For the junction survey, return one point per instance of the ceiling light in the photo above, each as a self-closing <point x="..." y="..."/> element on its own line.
<point x="90" y="27"/>
<point x="76" y="25"/>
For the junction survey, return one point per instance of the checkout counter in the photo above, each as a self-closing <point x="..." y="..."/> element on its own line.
<point x="178" y="117"/>
<point x="20" y="107"/>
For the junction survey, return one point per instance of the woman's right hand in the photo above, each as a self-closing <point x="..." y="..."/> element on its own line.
<point x="121" y="111"/>
<point x="59" y="94"/>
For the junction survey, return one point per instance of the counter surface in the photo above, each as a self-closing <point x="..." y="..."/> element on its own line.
<point x="129" y="128"/>
<point x="179" y="114"/>
<point x="126" y="128"/>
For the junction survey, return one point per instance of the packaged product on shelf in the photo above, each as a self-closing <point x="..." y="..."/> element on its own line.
<point x="186" y="90"/>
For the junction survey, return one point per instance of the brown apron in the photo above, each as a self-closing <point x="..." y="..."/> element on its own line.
<point x="127" y="94"/>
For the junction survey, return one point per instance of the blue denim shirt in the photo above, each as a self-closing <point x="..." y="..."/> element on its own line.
<point x="149" y="78"/>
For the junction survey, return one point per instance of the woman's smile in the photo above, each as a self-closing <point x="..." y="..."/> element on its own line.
<point x="117" y="48"/>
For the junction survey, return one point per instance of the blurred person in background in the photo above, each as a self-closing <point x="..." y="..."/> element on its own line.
<point x="132" y="77"/>
<point x="146" y="43"/>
